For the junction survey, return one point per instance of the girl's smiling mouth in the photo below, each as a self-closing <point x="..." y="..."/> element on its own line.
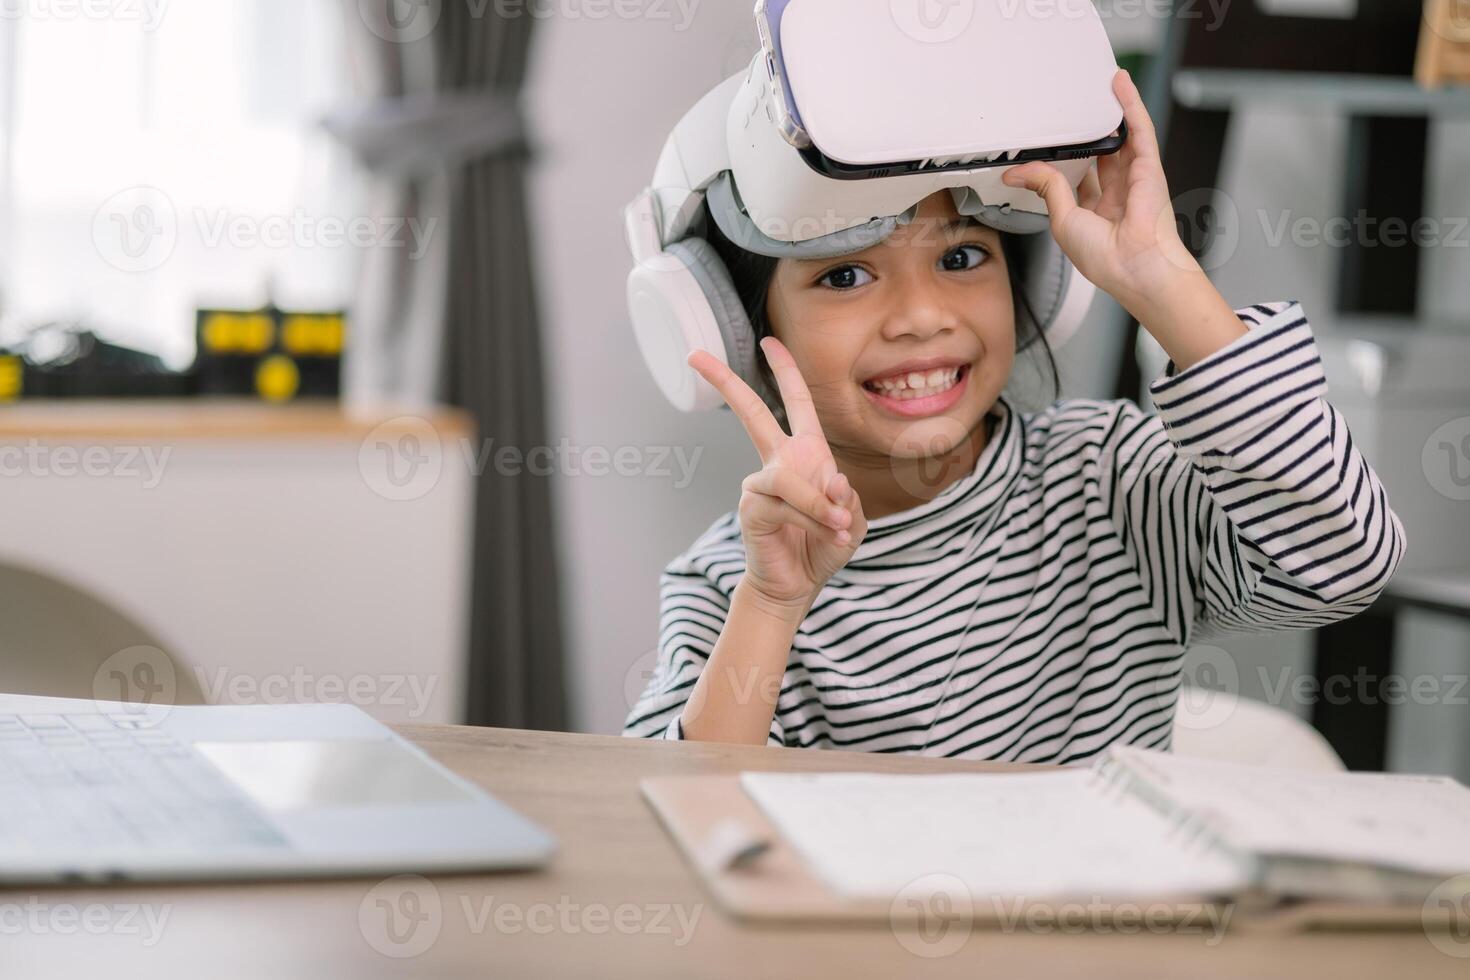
<point x="917" y="389"/>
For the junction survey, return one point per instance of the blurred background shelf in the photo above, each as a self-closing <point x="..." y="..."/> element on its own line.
<point x="221" y="418"/>
<point x="1369" y="95"/>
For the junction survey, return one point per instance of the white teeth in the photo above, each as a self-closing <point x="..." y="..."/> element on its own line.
<point x="918" y="384"/>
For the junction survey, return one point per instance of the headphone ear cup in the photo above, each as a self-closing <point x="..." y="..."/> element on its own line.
<point x="736" y="332"/>
<point x="671" y="317"/>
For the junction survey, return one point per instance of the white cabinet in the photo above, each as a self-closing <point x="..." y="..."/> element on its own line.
<point x="279" y="554"/>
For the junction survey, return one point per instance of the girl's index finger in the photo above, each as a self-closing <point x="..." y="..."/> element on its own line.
<point x="762" y="427"/>
<point x="795" y="395"/>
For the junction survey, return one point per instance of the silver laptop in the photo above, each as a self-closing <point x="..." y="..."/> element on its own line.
<point x="105" y="791"/>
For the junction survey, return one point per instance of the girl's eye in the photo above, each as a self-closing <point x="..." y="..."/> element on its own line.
<point x="846" y="277"/>
<point x="964" y="257"/>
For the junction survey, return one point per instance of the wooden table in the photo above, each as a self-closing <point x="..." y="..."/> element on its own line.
<point x="110" y="420"/>
<point x="615" y="861"/>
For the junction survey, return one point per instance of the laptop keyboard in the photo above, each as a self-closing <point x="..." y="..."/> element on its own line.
<point x="83" y="781"/>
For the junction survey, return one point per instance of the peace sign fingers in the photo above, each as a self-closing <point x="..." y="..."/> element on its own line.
<point x="760" y="424"/>
<point x="795" y="395"/>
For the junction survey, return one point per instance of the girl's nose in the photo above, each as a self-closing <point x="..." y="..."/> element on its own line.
<point x="918" y="312"/>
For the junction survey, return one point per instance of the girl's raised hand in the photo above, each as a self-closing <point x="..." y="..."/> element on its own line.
<point x="800" y="518"/>
<point x="1121" y="234"/>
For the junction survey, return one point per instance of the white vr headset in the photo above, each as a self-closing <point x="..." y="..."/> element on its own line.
<point x="853" y="112"/>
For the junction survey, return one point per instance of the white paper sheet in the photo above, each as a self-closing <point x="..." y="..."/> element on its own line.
<point x="1411" y="823"/>
<point x="1031" y="836"/>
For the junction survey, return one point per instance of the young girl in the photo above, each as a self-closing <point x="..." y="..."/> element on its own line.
<point x="919" y="567"/>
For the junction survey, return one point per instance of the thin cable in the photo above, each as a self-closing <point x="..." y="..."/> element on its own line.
<point x="960" y="647"/>
<point x="969" y="624"/>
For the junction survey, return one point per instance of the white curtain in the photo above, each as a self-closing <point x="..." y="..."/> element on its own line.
<point x="397" y="349"/>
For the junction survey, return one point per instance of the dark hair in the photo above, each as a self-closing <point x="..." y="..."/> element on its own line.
<point x="752" y="274"/>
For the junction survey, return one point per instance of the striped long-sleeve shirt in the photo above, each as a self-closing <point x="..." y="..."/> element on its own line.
<point x="1038" y="609"/>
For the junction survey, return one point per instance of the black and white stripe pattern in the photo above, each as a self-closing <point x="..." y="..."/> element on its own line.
<point x="1038" y="609"/>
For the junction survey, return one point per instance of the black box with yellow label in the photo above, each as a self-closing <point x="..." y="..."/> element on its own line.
<point x="277" y="355"/>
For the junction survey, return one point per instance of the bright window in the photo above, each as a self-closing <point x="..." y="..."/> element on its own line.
<point x="166" y="156"/>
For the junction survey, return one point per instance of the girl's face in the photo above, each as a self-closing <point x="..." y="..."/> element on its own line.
<point x="906" y="345"/>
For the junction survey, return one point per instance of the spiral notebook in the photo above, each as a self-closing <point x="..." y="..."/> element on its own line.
<point x="1138" y="823"/>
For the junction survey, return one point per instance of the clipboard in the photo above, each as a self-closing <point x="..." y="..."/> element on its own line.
<point x="778" y="887"/>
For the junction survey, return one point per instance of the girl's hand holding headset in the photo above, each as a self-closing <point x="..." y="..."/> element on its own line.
<point x="1120" y="233"/>
<point x="800" y="518"/>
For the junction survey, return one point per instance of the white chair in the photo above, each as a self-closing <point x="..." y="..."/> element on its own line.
<point x="59" y="641"/>
<point x="1216" y="725"/>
